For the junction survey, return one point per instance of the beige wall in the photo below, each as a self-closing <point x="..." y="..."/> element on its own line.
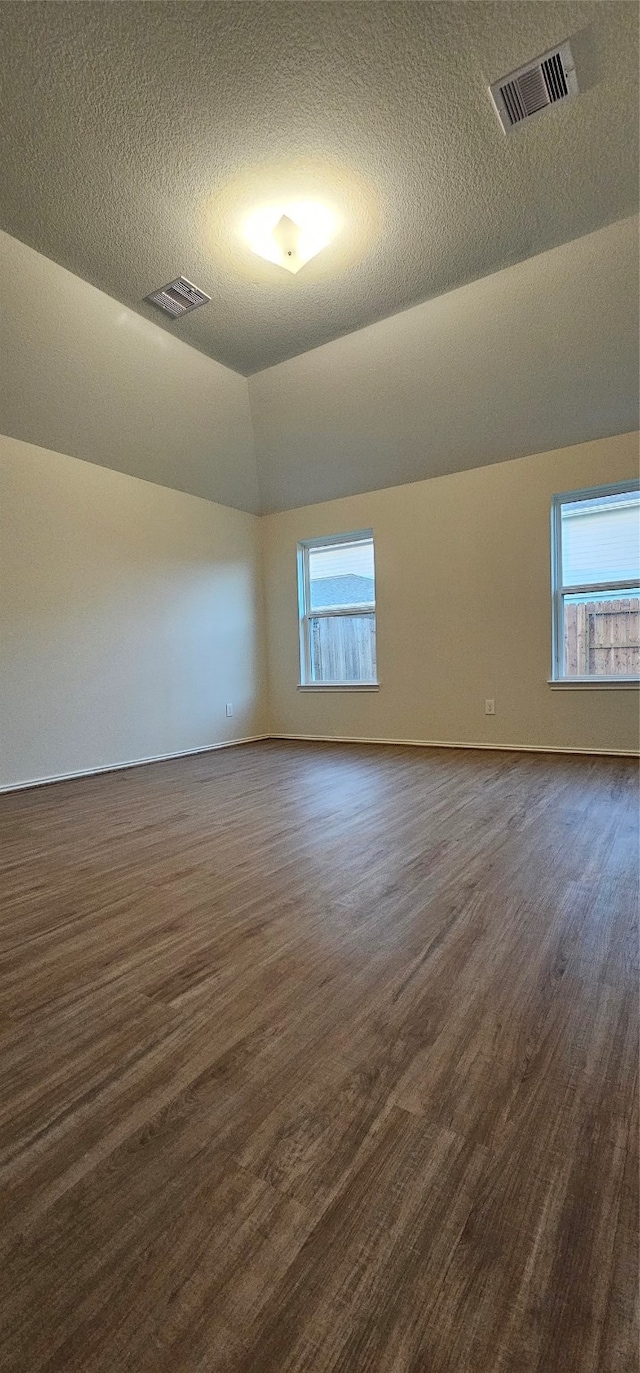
<point x="463" y="595"/>
<point x="535" y="357"/>
<point x="83" y="375"/>
<point x="130" y="615"/>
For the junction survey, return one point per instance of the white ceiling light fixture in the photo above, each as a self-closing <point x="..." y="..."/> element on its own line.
<point x="290" y="235"/>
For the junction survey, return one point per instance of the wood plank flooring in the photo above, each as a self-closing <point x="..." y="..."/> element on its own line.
<point x="321" y="1058"/>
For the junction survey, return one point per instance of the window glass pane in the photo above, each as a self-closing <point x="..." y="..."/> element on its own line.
<point x="342" y="575"/>
<point x="601" y="540"/>
<point x="602" y="634"/>
<point x="342" y="648"/>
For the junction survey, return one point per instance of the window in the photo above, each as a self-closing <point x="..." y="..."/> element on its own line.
<point x="337" y="595"/>
<point x="596" y="584"/>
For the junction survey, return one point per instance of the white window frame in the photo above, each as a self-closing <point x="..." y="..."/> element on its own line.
<point x="305" y="614"/>
<point x="559" y="591"/>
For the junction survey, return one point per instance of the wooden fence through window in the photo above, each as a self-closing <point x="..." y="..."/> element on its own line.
<point x="343" y="648"/>
<point x="602" y="638"/>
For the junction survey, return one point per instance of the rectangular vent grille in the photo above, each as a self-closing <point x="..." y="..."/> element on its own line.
<point x="178" y="298"/>
<point x="535" y="87"/>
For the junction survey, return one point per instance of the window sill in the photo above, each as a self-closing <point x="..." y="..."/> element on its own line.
<point x="594" y="684"/>
<point x="338" y="686"/>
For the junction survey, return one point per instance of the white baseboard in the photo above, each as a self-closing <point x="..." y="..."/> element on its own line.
<point x="131" y="763"/>
<point x="457" y="743"/>
<point x="315" y="739"/>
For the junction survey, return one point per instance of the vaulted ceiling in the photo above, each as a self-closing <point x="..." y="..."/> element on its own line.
<point x="135" y="136"/>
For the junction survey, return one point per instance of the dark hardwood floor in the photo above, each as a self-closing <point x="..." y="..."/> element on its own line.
<point x="321" y="1058"/>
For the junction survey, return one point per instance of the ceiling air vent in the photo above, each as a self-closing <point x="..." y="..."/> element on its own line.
<point x="178" y="297"/>
<point x="535" y="87"/>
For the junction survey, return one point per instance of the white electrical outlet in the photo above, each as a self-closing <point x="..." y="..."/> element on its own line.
<point x="489" y="707"/>
<point x="229" y="710"/>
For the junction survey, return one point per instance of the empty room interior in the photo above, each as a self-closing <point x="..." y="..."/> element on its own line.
<point x="319" y="686"/>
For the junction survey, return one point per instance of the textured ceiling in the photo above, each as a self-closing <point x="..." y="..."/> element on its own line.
<point x="135" y="135"/>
